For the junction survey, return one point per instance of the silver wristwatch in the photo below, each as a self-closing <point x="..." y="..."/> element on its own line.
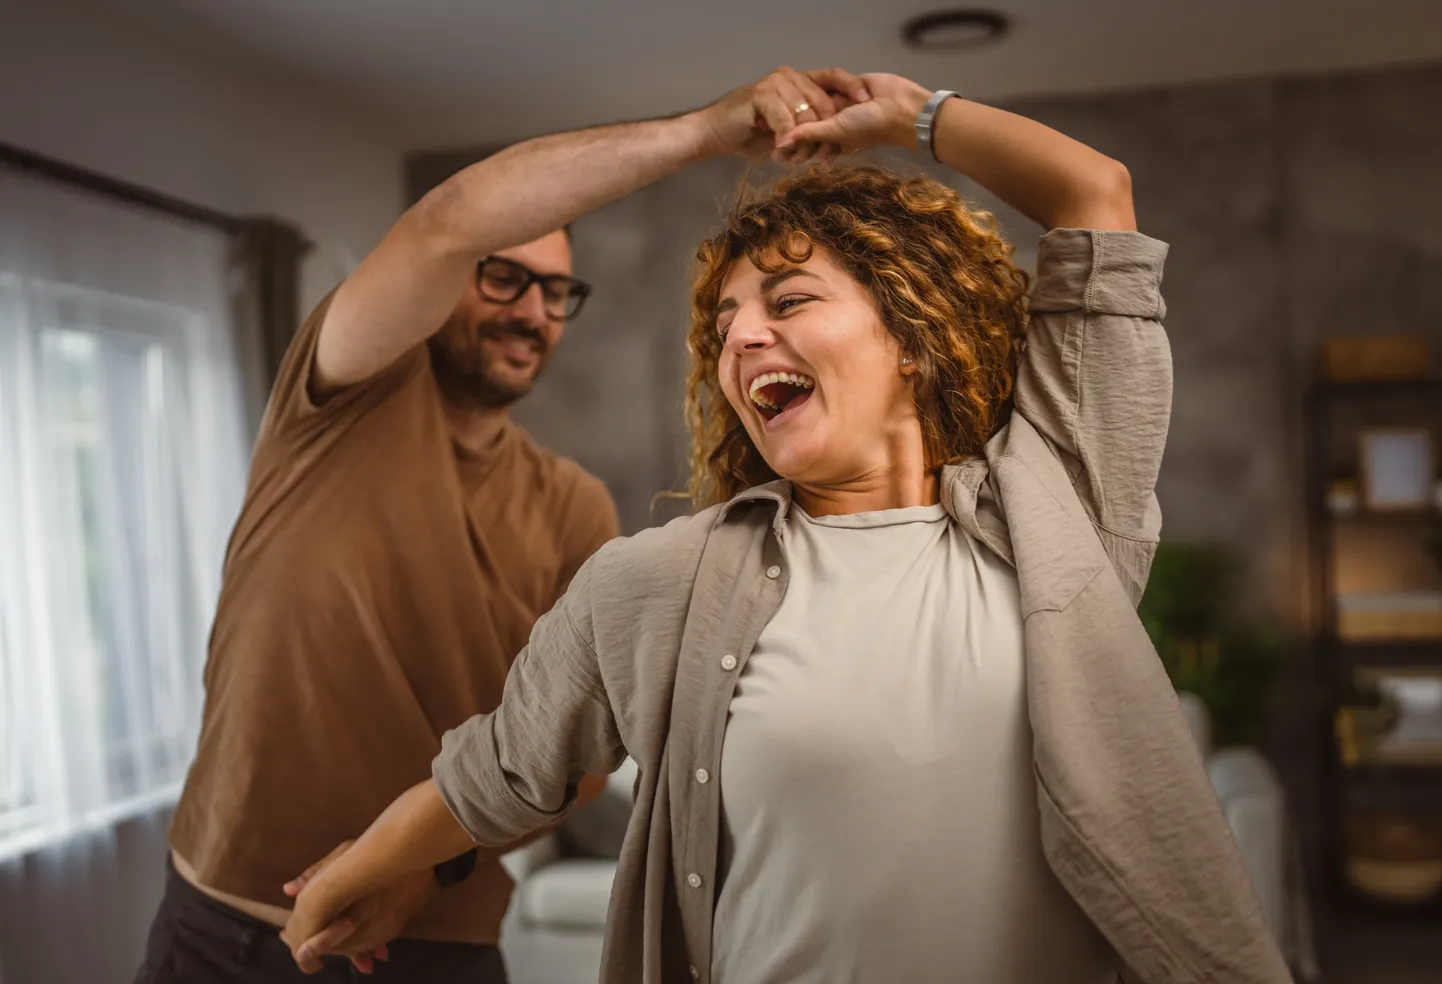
<point x="924" y="120"/>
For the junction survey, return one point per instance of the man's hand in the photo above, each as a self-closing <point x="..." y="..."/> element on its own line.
<point x="359" y="930"/>
<point x="888" y="118"/>
<point x="753" y="118"/>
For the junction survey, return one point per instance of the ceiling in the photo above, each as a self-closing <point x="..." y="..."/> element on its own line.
<point x="434" y="73"/>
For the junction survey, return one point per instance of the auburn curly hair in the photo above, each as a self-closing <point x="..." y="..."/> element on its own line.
<point x="941" y="276"/>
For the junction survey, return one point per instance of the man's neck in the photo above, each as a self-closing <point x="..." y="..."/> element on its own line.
<point x="475" y="428"/>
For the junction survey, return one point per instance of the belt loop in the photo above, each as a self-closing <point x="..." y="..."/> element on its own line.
<point x="248" y="939"/>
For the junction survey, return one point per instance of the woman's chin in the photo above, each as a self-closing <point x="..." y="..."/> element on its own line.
<point x="795" y="460"/>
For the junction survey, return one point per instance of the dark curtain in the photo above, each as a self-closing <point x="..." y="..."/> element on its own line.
<point x="270" y="254"/>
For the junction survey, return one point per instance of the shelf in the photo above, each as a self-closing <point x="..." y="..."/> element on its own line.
<point x="1400" y="654"/>
<point x="1399" y="516"/>
<point x="1374" y="786"/>
<point x="1356" y="908"/>
<point x="1326" y="390"/>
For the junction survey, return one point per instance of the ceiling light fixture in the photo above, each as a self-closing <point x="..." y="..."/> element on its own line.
<point x="948" y="30"/>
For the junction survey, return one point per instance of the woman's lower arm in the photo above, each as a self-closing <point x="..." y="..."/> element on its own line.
<point x="1047" y="176"/>
<point x="415" y="832"/>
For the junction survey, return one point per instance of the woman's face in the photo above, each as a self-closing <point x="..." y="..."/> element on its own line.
<point x="814" y="375"/>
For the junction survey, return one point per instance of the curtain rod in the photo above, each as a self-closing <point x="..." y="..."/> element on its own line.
<point x="134" y="194"/>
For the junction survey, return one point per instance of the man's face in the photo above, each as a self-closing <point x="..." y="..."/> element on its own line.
<point x="488" y="354"/>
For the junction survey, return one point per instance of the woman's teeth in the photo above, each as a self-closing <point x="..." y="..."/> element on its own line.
<point x="799" y="380"/>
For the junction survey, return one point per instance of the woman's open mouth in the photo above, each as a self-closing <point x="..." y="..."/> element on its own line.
<point x="778" y="395"/>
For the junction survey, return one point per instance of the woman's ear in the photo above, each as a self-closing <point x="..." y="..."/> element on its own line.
<point x="908" y="365"/>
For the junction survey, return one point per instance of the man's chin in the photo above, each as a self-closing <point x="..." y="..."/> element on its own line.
<point x="500" y="393"/>
<point x="484" y="390"/>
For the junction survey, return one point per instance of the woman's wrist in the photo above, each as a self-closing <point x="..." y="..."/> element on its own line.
<point x="344" y="881"/>
<point x="909" y="104"/>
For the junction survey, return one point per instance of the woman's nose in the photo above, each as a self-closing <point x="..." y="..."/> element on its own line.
<point x="750" y="333"/>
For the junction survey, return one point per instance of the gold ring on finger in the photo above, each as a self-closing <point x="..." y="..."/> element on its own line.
<point x="800" y="108"/>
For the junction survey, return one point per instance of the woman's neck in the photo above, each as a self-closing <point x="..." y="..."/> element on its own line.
<point x="891" y="490"/>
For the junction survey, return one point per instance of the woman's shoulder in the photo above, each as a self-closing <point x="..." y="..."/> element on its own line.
<point x="659" y="554"/>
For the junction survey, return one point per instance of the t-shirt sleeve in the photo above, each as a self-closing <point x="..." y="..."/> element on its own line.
<point x="591" y="521"/>
<point x="295" y="414"/>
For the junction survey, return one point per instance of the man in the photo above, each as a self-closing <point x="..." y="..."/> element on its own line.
<point x="399" y="538"/>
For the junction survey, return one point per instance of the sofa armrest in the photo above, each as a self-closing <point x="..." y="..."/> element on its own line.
<point x="1255" y="806"/>
<point x="524" y="862"/>
<point x="1199" y="720"/>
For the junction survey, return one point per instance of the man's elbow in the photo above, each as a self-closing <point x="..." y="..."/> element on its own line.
<point x="438" y="220"/>
<point x="588" y="789"/>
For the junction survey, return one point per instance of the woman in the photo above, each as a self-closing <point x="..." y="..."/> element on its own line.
<point x="893" y="711"/>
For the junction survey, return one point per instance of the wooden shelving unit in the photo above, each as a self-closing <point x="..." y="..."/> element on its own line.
<point x="1389" y="654"/>
<point x="1335" y="414"/>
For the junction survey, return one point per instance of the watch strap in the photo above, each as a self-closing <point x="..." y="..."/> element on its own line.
<point x="456" y="870"/>
<point x="925" y="120"/>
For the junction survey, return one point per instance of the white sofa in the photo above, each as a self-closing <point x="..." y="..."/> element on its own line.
<point x="553" y="932"/>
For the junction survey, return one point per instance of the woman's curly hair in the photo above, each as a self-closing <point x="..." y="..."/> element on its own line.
<point x="941" y="276"/>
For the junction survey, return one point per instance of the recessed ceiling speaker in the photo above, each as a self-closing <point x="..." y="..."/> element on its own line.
<point x="950" y="30"/>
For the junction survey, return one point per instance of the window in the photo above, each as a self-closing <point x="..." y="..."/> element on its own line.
<point x="122" y="456"/>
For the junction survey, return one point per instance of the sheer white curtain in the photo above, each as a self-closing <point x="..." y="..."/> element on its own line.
<point x="123" y="450"/>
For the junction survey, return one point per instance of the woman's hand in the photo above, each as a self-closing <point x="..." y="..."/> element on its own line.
<point x="362" y="930"/>
<point x="751" y="119"/>
<point x="316" y="907"/>
<point x="887" y="118"/>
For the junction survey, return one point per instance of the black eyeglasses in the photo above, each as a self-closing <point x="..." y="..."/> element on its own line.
<point x="503" y="281"/>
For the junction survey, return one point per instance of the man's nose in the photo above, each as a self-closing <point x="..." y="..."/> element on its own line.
<point x="531" y="307"/>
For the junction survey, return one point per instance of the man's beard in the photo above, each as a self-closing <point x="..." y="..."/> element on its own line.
<point x="469" y="377"/>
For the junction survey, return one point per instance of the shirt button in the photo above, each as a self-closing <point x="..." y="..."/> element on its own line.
<point x="694" y="880"/>
<point x="773" y="572"/>
<point x="728" y="662"/>
<point x="702" y="776"/>
<point x="695" y="974"/>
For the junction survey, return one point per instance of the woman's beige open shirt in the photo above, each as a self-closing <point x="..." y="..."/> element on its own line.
<point x="641" y="655"/>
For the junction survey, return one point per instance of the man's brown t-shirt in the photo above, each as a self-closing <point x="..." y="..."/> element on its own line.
<point x="378" y="584"/>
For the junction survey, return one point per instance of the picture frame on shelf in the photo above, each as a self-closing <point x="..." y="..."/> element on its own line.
<point x="1396" y="465"/>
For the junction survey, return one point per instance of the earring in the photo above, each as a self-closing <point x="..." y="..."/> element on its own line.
<point x="906" y="360"/>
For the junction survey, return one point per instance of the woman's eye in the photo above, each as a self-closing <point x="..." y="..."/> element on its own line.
<point x="790" y="301"/>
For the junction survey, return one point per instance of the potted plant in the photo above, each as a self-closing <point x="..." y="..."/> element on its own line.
<point x="1208" y="643"/>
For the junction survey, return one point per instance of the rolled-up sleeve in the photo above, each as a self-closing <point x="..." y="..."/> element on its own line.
<point x="513" y="771"/>
<point x="1096" y="379"/>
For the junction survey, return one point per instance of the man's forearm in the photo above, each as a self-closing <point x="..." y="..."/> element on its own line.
<point x="1047" y="176"/>
<point x="538" y="186"/>
<point x="404" y="290"/>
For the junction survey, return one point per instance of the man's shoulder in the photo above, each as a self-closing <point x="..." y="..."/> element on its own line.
<point x="566" y="484"/>
<point x="557" y="467"/>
